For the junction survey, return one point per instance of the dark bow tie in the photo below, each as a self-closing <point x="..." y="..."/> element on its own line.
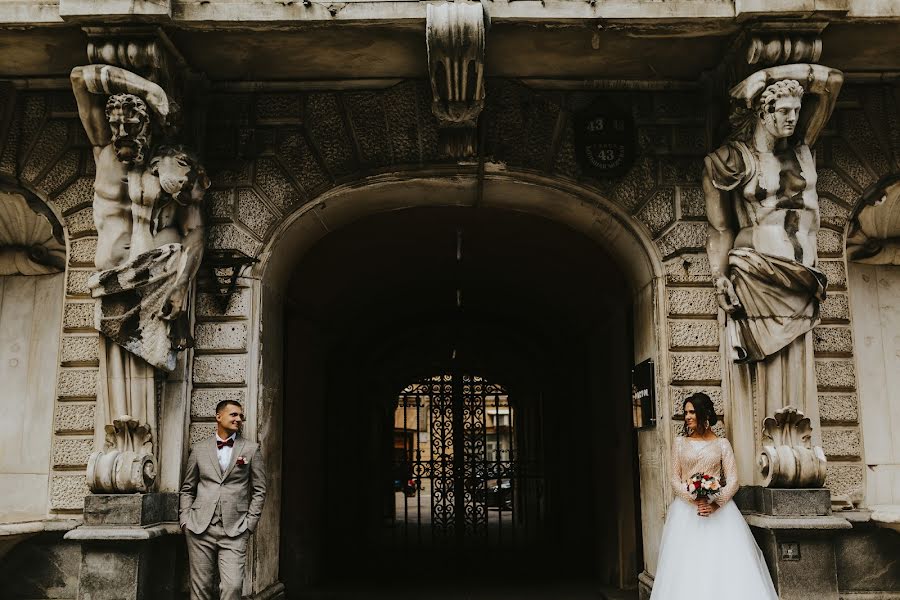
<point x="229" y="442"/>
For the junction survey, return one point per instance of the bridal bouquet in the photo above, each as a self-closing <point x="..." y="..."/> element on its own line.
<point x="701" y="485"/>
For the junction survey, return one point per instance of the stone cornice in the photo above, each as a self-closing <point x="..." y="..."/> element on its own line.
<point x="248" y="13"/>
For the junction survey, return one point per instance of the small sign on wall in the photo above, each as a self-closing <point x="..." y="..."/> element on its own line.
<point x="604" y="140"/>
<point x="643" y="395"/>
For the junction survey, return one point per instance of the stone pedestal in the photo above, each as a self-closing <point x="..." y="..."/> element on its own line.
<point x="796" y="532"/>
<point x="130" y="547"/>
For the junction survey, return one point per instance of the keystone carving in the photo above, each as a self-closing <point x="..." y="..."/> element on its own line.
<point x="455" y="36"/>
<point x="789" y="460"/>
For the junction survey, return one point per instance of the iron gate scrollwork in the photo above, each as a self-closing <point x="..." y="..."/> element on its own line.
<point x="459" y="476"/>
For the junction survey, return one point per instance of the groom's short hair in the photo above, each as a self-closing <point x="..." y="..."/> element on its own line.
<point x="225" y="403"/>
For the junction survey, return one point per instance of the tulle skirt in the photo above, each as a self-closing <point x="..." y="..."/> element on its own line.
<point x="715" y="553"/>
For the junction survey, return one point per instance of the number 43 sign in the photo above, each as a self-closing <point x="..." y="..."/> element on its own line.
<point x="604" y="141"/>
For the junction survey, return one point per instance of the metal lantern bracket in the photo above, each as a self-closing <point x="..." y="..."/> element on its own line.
<point x="225" y="266"/>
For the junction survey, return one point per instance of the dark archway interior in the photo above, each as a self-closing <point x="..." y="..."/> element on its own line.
<point x="511" y="297"/>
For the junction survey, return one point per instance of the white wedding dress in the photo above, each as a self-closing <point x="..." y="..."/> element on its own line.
<point x="712" y="556"/>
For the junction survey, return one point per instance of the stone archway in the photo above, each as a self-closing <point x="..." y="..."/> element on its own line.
<point x="587" y="214"/>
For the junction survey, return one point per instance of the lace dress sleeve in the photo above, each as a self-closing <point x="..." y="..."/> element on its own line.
<point x="678" y="484"/>
<point x="729" y="469"/>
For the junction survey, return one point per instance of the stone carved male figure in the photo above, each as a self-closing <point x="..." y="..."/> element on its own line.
<point x="150" y="239"/>
<point x="763" y="212"/>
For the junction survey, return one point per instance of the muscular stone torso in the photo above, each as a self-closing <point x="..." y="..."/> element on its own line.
<point x="779" y="211"/>
<point x="124" y="201"/>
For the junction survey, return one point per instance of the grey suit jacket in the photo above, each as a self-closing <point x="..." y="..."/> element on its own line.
<point x="240" y="490"/>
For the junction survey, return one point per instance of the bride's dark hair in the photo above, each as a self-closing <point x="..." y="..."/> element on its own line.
<point x="703" y="409"/>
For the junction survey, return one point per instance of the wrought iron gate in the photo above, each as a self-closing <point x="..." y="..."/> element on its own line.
<point x="459" y="472"/>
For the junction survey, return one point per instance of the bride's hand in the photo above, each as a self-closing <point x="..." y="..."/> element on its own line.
<point x="705" y="508"/>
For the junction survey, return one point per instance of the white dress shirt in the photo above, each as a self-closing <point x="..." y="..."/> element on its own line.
<point x="225" y="451"/>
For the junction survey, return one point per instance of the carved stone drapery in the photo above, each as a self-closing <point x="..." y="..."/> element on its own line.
<point x="455" y="37"/>
<point x="148" y="198"/>
<point x="788" y="458"/>
<point x="874" y="235"/>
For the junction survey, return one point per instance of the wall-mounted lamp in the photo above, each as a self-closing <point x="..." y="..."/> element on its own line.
<point x="225" y="266"/>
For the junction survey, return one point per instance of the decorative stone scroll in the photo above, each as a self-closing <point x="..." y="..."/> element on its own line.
<point x="763" y="212"/>
<point x="148" y="209"/>
<point x="455" y="36"/>
<point x="789" y="460"/>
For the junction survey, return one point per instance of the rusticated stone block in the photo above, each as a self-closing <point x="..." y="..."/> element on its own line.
<point x="71" y="452"/>
<point x="326" y="127"/>
<point x="275" y="184"/>
<point x="204" y="401"/>
<point x="82" y="252"/>
<point x="201" y="431"/>
<point x="230" y="236"/>
<point x="678" y="394"/>
<point x="78" y="193"/>
<point x="838" y="408"/>
<point x="692" y="302"/>
<point x="76" y="282"/>
<point x="689" y="268"/>
<point x="209" y="305"/>
<point x="300" y="160"/>
<point x="77" y="383"/>
<point x="659" y="212"/>
<point x="833" y="214"/>
<point x="67" y="492"/>
<point x="830" y="243"/>
<point x="836" y="307"/>
<point x="836" y="273"/>
<point x="841" y="443"/>
<point x="829" y="182"/>
<point x="221" y="336"/>
<point x="81" y="222"/>
<point x="220" y="368"/>
<point x="845" y="480"/>
<point x="847" y="161"/>
<point x="74" y="418"/>
<point x="220" y="203"/>
<point x="835" y="374"/>
<point x="61" y="173"/>
<point x="684" y="236"/>
<point x="631" y="191"/>
<point x="80" y="349"/>
<point x="685" y="170"/>
<point x="693" y="202"/>
<point x="254" y="214"/>
<point x="832" y="340"/>
<point x="50" y="140"/>
<point x="693" y="334"/>
<point x="78" y="315"/>
<point x="699" y="367"/>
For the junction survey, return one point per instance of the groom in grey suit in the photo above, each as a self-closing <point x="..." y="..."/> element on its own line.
<point x="221" y="501"/>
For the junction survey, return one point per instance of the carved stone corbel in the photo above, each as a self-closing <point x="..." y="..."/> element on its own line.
<point x="455" y="36"/>
<point x="772" y="44"/>
<point x="789" y="460"/>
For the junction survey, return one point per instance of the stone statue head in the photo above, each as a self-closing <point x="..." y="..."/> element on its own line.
<point x="129" y="122"/>
<point x="179" y="171"/>
<point x="778" y="107"/>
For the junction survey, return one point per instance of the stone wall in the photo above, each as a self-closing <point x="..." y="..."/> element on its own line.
<point x="43" y="148"/>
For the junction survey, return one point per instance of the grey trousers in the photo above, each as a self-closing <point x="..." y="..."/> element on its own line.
<point x="213" y="549"/>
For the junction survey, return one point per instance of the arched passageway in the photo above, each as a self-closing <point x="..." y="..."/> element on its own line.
<point x="399" y="297"/>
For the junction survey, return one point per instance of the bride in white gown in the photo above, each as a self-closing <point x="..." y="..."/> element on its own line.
<point x="714" y="532"/>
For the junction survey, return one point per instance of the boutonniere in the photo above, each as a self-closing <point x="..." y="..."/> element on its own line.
<point x="241" y="461"/>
